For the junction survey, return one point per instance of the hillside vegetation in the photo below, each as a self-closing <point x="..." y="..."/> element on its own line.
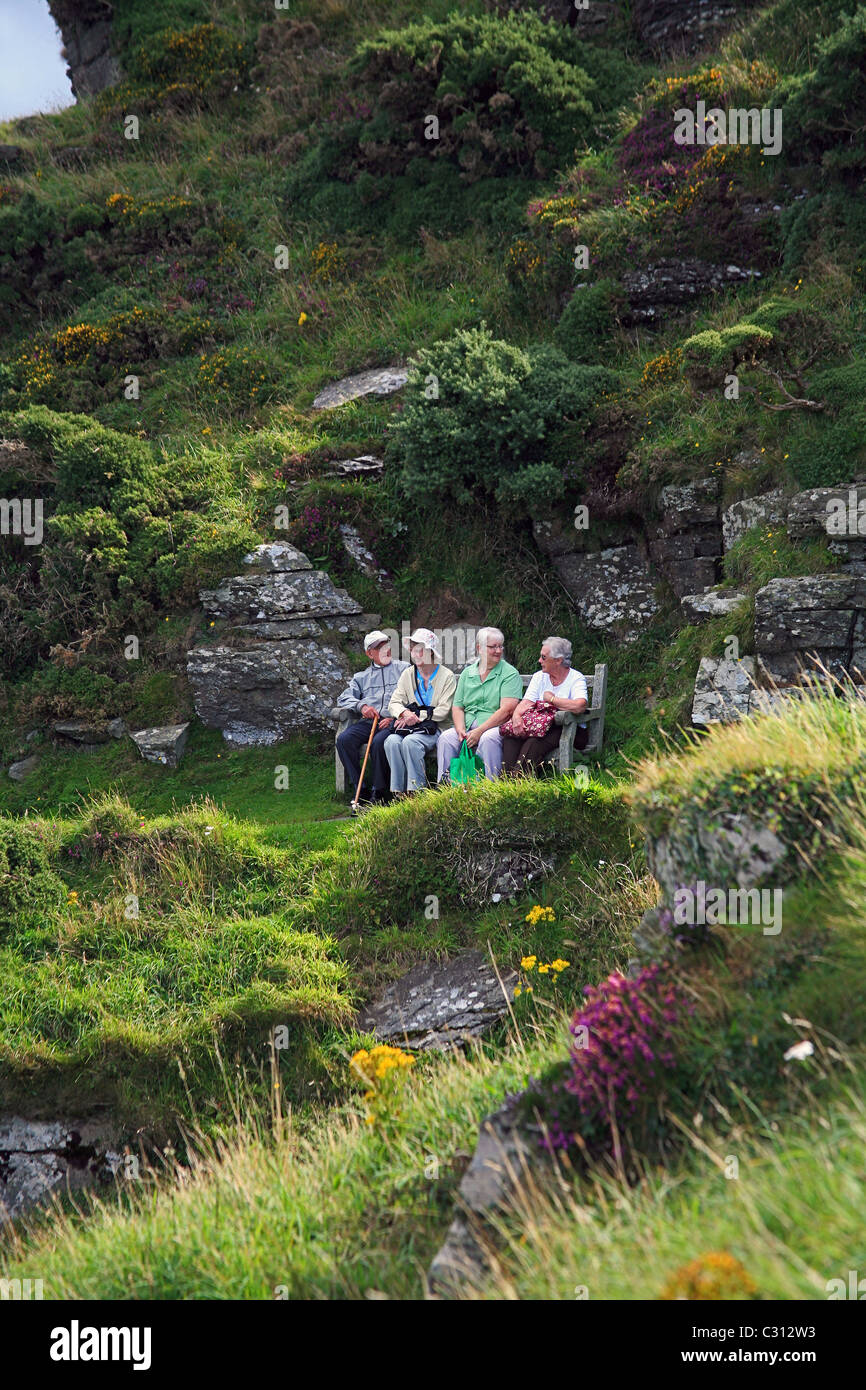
<point x="170" y="305"/>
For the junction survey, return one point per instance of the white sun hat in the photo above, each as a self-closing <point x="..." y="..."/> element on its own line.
<point x="427" y="637"/>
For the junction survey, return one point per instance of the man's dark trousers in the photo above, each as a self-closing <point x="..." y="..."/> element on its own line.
<point x="351" y="743"/>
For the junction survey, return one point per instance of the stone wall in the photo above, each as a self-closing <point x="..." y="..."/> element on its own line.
<point x="276" y="667"/>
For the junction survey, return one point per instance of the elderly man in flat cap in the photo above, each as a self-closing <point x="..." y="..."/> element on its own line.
<point x="369" y="693"/>
<point x="421" y="706"/>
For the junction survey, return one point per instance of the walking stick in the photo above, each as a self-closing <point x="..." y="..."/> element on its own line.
<point x="364" y="767"/>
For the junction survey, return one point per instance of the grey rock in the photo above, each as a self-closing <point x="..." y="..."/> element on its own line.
<point x="364" y="466"/>
<point x="282" y="594"/>
<point x="381" y="381"/>
<point x="39" y="1158"/>
<point x="87" y="31"/>
<point x="712" y="603"/>
<point x="684" y="26"/>
<point x="809" y="512"/>
<point x="723" y="690"/>
<point x="165" y="744"/>
<point x="490" y="875"/>
<point x="656" y="290"/>
<point x="733" y="851"/>
<point x="269" y="690"/>
<point x="769" y="509"/>
<point x="363" y="558"/>
<point x="799" y="620"/>
<point x="81" y="731"/>
<point x="276" y="557"/>
<point x="117" y="728"/>
<point x="499" y="1165"/>
<point x="440" y="1005"/>
<point x="686" y="505"/>
<point x="18" y="771"/>
<point x="613" y="590"/>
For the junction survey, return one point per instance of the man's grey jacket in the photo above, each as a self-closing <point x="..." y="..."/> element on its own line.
<point x="373" y="687"/>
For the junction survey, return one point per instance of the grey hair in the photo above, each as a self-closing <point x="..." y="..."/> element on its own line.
<point x="485" y="632"/>
<point x="559" y="647"/>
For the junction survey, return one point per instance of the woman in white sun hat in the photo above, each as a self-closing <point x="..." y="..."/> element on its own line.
<point x="421" y="708"/>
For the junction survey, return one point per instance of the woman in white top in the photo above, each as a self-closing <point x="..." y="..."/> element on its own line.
<point x="560" y="687"/>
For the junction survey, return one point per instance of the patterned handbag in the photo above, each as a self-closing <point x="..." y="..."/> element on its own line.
<point x="537" y="722"/>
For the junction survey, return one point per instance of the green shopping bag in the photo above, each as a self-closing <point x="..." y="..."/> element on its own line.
<point x="467" y="766"/>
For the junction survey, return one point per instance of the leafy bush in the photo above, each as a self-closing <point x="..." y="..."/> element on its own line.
<point x="588" y="321"/>
<point x="477" y="414"/>
<point x="29" y="887"/>
<point x="824" y="111"/>
<point x="708" y="356"/>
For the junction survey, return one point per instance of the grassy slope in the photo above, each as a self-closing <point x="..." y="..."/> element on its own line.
<point x="395" y="295"/>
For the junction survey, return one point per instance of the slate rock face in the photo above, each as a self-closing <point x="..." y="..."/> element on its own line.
<point x="769" y="509"/>
<point x="613" y="590"/>
<point x="733" y="852"/>
<point x="687" y="542"/>
<point x="440" y="1005"/>
<point x="683" y="25"/>
<point x="837" y="513"/>
<point x="671" y="285"/>
<point x="23" y="768"/>
<point x="274" y="669"/>
<point x="86" y="29"/>
<point x="381" y="381"/>
<point x="723" y="690"/>
<point x="820" y="615"/>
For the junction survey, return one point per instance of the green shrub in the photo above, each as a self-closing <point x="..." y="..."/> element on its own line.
<point x="477" y="413"/>
<point x="588" y="321"/>
<point x="708" y="356"/>
<point x="824" y="111"/>
<point x="29" y="887"/>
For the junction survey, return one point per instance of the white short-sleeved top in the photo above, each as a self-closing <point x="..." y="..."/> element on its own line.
<point x="572" y="688"/>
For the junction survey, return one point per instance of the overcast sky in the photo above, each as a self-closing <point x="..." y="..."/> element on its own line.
<point x="32" y="72"/>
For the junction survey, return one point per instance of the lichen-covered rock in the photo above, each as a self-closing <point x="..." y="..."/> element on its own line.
<point x="730" y="850"/>
<point x="276" y="595"/>
<point x="684" y="26"/>
<point x="669" y="285"/>
<point x="686" y="542"/>
<point x="712" y="603"/>
<point x="723" y="690"/>
<point x="381" y="381"/>
<point x="813" y="616"/>
<point x="277" y="557"/>
<point x="23" y="768"/>
<point x="837" y="513"/>
<point x="261" y="693"/>
<point x="364" y="558"/>
<point x="769" y="509"/>
<point x="494" y="874"/>
<point x="439" y="1005"/>
<point x="613" y="590"/>
<point x="164" y="744"/>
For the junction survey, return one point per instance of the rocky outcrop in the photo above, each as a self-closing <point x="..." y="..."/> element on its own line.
<point x="165" y="745"/>
<point x="364" y="559"/>
<point x="821" y="616"/>
<point x="683" y="26"/>
<point x="712" y="603"/>
<point x="38" y="1158"/>
<point x="613" y="590"/>
<point x="25" y="767"/>
<point x="276" y="667"/>
<point x="769" y="509"/>
<point x="723" y="690"/>
<point x="672" y="285"/>
<point x="440" y="1005"/>
<point x="499" y="1163"/>
<point x="87" y="735"/>
<point x="86" y="28"/>
<point x="836" y="513"/>
<point x="687" y="543"/>
<point x="381" y="381"/>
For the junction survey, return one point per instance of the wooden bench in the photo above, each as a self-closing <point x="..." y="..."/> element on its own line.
<point x="562" y="757"/>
